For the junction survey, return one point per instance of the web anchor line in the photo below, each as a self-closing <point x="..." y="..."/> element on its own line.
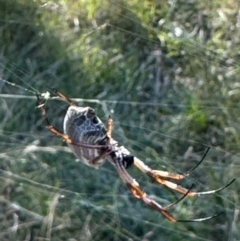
<point x="19" y="86"/>
<point x="46" y="95"/>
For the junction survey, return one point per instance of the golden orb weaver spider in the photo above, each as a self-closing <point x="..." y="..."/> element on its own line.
<point x="92" y="143"/>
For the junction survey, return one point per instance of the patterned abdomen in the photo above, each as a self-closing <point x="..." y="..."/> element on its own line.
<point x="83" y="127"/>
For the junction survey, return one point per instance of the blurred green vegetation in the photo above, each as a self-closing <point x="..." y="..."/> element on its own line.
<point x="168" y="73"/>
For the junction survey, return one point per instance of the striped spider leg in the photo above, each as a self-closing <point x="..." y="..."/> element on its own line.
<point x="92" y="143"/>
<point x="162" y="178"/>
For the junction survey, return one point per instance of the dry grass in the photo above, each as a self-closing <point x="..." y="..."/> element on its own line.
<point x="168" y="74"/>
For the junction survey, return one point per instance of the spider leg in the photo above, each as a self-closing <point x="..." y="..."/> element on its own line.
<point x="65" y="98"/>
<point x="183" y="190"/>
<point x="109" y="128"/>
<point x="100" y="157"/>
<point x="144" y="168"/>
<point x="59" y="133"/>
<point x="160" y="176"/>
<point x="109" y="141"/>
<point x="193" y="168"/>
<point x="140" y="194"/>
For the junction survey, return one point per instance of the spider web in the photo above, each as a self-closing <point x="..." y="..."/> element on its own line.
<point x="171" y="90"/>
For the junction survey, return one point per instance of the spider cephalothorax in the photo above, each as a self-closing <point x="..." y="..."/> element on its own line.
<point x="92" y="143"/>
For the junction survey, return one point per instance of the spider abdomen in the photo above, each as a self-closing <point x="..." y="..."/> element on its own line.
<point x="83" y="126"/>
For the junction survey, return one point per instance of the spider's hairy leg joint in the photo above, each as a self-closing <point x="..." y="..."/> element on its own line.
<point x="140" y="194"/>
<point x="158" y="173"/>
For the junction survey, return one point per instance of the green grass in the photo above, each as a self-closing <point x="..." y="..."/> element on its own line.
<point x="166" y="72"/>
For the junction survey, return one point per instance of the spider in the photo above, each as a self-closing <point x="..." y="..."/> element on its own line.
<point x="92" y="143"/>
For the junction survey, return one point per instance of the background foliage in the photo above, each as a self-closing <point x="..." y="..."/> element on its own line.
<point x="168" y="73"/>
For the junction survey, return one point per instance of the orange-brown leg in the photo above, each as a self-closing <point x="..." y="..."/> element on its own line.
<point x="109" y="140"/>
<point x="59" y="133"/>
<point x="144" y="168"/>
<point x="160" y="177"/>
<point x="109" y="128"/>
<point x="140" y="194"/>
<point x="65" y="98"/>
